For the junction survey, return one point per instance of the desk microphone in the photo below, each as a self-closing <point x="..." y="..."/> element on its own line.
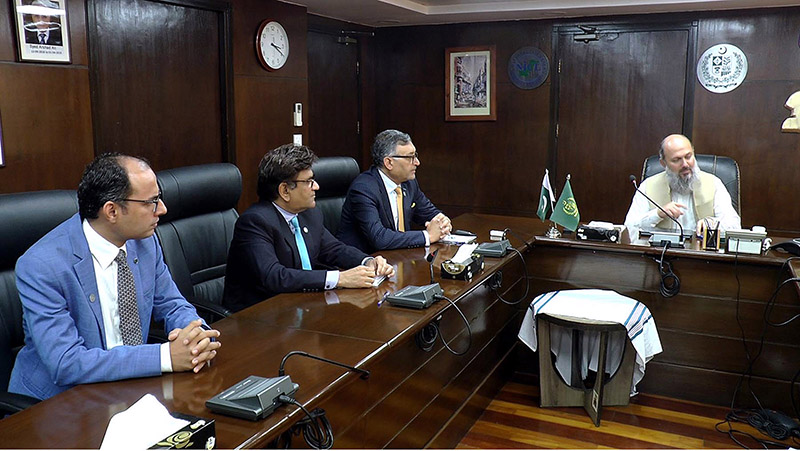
<point x="431" y="257"/>
<point x="680" y="239"/>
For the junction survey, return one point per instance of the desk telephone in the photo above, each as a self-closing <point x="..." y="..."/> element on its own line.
<point x="792" y="247"/>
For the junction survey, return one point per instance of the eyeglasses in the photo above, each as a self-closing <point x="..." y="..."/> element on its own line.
<point x="151" y="201"/>
<point x="413" y="156"/>
<point x="310" y="182"/>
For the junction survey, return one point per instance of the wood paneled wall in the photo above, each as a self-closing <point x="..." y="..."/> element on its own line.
<point x="497" y="167"/>
<point x="45" y="111"/>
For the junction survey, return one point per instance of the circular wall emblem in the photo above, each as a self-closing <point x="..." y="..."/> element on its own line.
<point x="528" y="68"/>
<point x="722" y="68"/>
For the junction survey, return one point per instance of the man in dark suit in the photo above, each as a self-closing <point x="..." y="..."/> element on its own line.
<point x="43" y="29"/>
<point x="90" y="287"/>
<point x="280" y="245"/>
<point x="370" y="218"/>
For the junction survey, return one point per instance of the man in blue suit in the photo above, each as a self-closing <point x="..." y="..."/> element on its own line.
<point x="280" y="244"/>
<point x="371" y="219"/>
<point x="90" y="287"/>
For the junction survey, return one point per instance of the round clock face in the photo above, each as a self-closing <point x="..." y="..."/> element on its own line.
<point x="272" y="45"/>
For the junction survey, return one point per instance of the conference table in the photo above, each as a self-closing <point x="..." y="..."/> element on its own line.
<point x="415" y="398"/>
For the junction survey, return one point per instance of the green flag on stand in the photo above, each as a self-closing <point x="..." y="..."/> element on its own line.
<point x="566" y="212"/>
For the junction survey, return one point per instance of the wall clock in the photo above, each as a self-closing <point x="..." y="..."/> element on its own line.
<point x="272" y="45"/>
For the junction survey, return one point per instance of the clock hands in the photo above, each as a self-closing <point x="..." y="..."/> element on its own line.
<point x="277" y="48"/>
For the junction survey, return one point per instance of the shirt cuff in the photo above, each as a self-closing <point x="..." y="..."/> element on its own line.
<point x="427" y="238"/>
<point x="331" y="279"/>
<point x="166" y="359"/>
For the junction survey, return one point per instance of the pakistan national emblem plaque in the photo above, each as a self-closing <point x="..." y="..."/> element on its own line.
<point x="722" y="68"/>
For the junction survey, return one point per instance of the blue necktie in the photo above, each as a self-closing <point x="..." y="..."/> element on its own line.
<point x="301" y="244"/>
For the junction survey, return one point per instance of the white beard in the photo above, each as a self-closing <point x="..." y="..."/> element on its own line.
<point x="683" y="185"/>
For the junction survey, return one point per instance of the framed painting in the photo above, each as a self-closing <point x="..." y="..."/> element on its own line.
<point x="470" y="85"/>
<point x="41" y="29"/>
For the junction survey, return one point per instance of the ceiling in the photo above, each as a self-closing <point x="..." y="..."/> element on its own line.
<point x="392" y="13"/>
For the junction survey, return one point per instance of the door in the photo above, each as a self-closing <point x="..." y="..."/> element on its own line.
<point x="617" y="97"/>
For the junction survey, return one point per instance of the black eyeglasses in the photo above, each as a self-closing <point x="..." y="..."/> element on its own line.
<point x="151" y="201"/>
<point x="310" y="182"/>
<point x="413" y="156"/>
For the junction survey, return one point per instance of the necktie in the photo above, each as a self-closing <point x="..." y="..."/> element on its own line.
<point x="129" y="323"/>
<point x="401" y="222"/>
<point x="42" y="37"/>
<point x="301" y="244"/>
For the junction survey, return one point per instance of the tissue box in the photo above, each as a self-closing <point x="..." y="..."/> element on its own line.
<point x="200" y="433"/>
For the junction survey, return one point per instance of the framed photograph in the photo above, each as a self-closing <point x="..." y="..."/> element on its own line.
<point x="470" y="84"/>
<point x="42" y="33"/>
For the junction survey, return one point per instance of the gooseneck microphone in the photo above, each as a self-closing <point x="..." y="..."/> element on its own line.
<point x="431" y="257"/>
<point x="282" y="372"/>
<point x="636" y="187"/>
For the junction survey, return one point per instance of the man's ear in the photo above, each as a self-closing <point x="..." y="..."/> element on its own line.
<point x="283" y="191"/>
<point x="663" y="165"/>
<point x="388" y="163"/>
<point x="110" y="211"/>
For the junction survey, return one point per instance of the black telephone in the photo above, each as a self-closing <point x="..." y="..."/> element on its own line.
<point x="792" y="247"/>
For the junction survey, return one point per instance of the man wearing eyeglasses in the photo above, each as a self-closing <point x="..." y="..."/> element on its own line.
<point x="280" y="244"/>
<point x="90" y="287"/>
<point x="384" y="201"/>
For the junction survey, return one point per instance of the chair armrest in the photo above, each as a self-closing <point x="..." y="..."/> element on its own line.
<point x="13" y="402"/>
<point x="217" y="311"/>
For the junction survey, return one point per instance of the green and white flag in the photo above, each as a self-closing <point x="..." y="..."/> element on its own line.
<point x="566" y="212"/>
<point x="546" y="198"/>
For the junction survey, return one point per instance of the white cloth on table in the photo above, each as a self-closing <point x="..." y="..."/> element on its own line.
<point x="605" y="305"/>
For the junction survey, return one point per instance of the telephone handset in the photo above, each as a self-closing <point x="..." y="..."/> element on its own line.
<point x="792" y="247"/>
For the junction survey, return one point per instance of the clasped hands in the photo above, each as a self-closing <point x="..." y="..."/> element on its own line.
<point x="192" y="347"/>
<point x="362" y="276"/>
<point x="438" y="227"/>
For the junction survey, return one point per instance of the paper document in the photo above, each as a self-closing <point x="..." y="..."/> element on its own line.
<point x="464" y="253"/>
<point x="457" y="239"/>
<point x="144" y="424"/>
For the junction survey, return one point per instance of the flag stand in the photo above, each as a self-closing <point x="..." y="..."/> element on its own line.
<point x="553" y="232"/>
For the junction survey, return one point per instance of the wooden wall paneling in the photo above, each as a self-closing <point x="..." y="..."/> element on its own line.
<point x="745" y="123"/>
<point x="263" y="100"/>
<point x="466" y="166"/>
<point x="47" y="138"/>
<point x="157" y="90"/>
<point x="618" y="97"/>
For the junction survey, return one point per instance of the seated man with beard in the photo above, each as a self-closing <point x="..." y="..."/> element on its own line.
<point x="683" y="190"/>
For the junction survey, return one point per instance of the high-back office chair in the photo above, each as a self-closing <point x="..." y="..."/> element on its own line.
<point x="334" y="175"/>
<point x="197" y="230"/>
<point x="725" y="168"/>
<point x="26" y="218"/>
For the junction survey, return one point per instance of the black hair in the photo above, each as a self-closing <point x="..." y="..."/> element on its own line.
<point x="104" y="180"/>
<point x="282" y="165"/>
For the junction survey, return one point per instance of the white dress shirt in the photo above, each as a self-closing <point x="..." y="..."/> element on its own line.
<point x="105" y="271"/>
<point x="390" y="191"/>
<point x="643" y="214"/>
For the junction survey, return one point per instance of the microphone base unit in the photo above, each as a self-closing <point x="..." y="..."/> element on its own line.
<point x="493" y="249"/>
<point x="666" y="238"/>
<point x="593" y="233"/>
<point x="415" y="297"/>
<point x="253" y="398"/>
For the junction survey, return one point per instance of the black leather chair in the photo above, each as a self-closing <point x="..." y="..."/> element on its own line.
<point x="197" y="229"/>
<point x="26" y="217"/>
<point x="334" y="175"/>
<point x="725" y="168"/>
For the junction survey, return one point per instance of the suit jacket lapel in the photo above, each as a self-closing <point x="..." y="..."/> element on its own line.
<point x="133" y="264"/>
<point x="287" y="235"/>
<point x="386" y="209"/>
<point x="84" y="269"/>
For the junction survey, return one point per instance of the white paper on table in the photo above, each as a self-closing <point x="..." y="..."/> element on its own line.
<point x="464" y="253"/>
<point x="457" y="239"/>
<point x="141" y="426"/>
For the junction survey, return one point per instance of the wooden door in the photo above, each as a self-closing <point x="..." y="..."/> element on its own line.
<point x="617" y="97"/>
<point x="160" y="77"/>
<point x="334" y="93"/>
